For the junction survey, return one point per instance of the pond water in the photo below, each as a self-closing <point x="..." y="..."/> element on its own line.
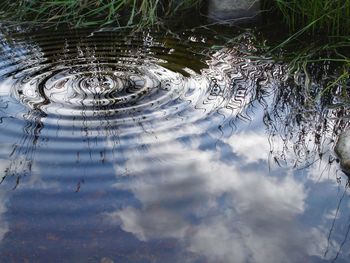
<point x="151" y="147"/>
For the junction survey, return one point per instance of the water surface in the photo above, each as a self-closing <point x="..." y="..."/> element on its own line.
<point x="154" y="147"/>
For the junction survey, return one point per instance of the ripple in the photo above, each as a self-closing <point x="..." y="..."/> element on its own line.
<point x="99" y="90"/>
<point x="92" y="95"/>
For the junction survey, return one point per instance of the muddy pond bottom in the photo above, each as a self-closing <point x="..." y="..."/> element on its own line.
<point x="149" y="147"/>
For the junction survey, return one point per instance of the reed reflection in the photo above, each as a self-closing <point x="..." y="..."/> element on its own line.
<point x="124" y="126"/>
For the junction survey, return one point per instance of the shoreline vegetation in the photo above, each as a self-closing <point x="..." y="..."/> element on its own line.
<point x="330" y="17"/>
<point x="318" y="31"/>
<point x="82" y="13"/>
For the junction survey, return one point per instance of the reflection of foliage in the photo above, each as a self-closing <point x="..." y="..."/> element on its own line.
<point x="23" y="154"/>
<point x="304" y="121"/>
<point x="307" y="124"/>
<point x="336" y="214"/>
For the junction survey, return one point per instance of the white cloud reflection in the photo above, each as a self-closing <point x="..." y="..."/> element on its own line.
<point x="251" y="146"/>
<point x="223" y="212"/>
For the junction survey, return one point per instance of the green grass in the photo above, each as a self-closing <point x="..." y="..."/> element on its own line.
<point x="94" y="12"/>
<point x="319" y="34"/>
<point x="326" y="16"/>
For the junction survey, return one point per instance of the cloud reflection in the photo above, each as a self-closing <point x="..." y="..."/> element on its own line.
<point x="251" y="146"/>
<point x="223" y="212"/>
